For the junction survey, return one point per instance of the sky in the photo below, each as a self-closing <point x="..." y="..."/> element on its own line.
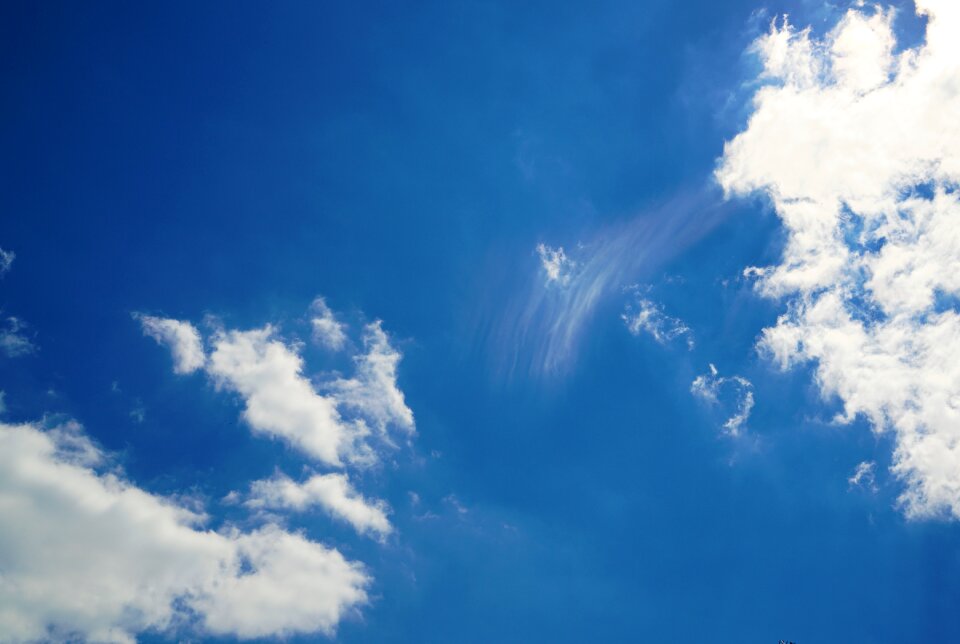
<point x="480" y="321"/>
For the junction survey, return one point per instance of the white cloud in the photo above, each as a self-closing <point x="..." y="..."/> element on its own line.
<point x="373" y="391"/>
<point x="859" y="150"/>
<point x="280" y="400"/>
<point x="327" y="330"/>
<point x="555" y="263"/>
<point x="6" y="261"/>
<point x="333" y="424"/>
<point x="332" y="492"/>
<point x="182" y="338"/>
<point x="647" y="316"/>
<point x="732" y="393"/>
<point x="87" y="555"/>
<point x="537" y="330"/>
<point x="12" y="340"/>
<point x="863" y="476"/>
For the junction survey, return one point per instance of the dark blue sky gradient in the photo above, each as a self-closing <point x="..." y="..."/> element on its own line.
<point x="238" y="159"/>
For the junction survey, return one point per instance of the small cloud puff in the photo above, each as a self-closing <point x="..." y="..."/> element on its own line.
<point x="734" y="393"/>
<point x="557" y="267"/>
<point x="331" y="492"/>
<point x="864" y="476"/>
<point x="182" y="338"/>
<point x="6" y="261"/>
<point x="646" y="316"/>
<point x="13" y="342"/>
<point x="327" y="330"/>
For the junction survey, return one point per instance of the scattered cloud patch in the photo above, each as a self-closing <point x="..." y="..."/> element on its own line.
<point x="89" y="556"/>
<point x="13" y="342"/>
<point x="327" y="330"/>
<point x="733" y="394"/>
<point x="334" y="422"/>
<point x="182" y="338"/>
<point x="858" y="149"/>
<point x="6" y="261"/>
<point x="864" y="476"/>
<point x="372" y="392"/>
<point x="332" y="492"/>
<point x="556" y="265"/>
<point x="647" y="316"/>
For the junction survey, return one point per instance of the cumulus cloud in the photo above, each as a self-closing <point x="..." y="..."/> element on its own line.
<point x="88" y="555"/>
<point x="372" y="391"/>
<point x="332" y="492"/>
<point x="646" y="316"/>
<point x="327" y="330"/>
<point x="13" y="342"/>
<point x="858" y="148"/>
<point x="556" y="265"/>
<point x="182" y="338"/>
<point x="734" y="394"/>
<point x="280" y="400"/>
<point x="337" y="421"/>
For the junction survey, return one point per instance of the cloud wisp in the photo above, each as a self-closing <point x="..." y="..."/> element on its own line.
<point x="734" y="394"/>
<point x="646" y="316"/>
<point x="541" y="328"/>
<point x="858" y="148"/>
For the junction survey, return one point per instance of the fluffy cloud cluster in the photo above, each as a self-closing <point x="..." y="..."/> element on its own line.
<point x="280" y="400"/>
<point x="732" y="393"/>
<point x="338" y="424"/>
<point x="858" y="147"/>
<point x="87" y="555"/>
<point x="331" y="423"/>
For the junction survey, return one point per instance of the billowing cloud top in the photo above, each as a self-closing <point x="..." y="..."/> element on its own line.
<point x="90" y="556"/>
<point x="182" y="338"/>
<point x="858" y="148"/>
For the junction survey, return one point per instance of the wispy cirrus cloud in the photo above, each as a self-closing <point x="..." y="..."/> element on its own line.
<point x="539" y="330"/>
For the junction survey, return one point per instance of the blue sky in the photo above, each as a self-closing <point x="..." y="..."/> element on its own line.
<point x="588" y="418"/>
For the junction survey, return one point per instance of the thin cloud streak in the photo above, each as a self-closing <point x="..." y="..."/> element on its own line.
<point x="540" y="331"/>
